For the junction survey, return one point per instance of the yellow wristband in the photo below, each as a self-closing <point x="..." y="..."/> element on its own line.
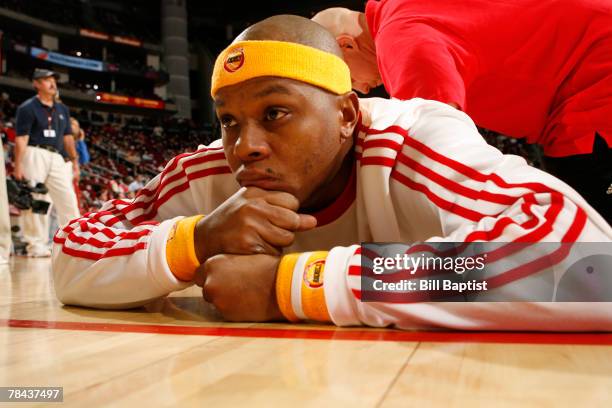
<point x="308" y="284"/>
<point x="312" y="291"/>
<point x="284" y="278"/>
<point x="180" y="249"/>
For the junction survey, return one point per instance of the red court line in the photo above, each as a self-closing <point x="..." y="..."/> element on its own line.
<point x="333" y="334"/>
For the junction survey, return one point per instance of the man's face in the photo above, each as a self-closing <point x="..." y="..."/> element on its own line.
<point x="46" y="86"/>
<point x="364" y="70"/>
<point x="280" y="134"/>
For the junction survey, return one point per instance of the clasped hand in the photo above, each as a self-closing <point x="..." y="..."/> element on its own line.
<point x="239" y="246"/>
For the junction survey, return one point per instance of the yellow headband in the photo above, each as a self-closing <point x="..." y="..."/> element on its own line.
<point x="245" y="60"/>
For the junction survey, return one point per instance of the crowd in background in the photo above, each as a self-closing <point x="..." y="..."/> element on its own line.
<point x="126" y="151"/>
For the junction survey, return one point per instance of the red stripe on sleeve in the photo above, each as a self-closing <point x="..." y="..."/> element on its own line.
<point x="439" y="201"/>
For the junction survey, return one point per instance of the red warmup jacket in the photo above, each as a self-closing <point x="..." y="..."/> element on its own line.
<point x="540" y="70"/>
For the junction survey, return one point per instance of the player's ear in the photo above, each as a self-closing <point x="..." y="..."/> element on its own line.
<point x="347" y="43"/>
<point x="349" y="113"/>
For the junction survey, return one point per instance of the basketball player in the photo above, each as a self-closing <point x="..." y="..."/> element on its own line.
<point x="304" y="172"/>
<point x="509" y="65"/>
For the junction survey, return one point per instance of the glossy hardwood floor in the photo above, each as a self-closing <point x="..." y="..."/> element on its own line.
<point x="178" y="353"/>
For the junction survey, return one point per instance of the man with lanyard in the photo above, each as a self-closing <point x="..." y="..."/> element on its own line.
<point x="43" y="132"/>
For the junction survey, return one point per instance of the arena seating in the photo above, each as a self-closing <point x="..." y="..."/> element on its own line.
<point x="122" y="147"/>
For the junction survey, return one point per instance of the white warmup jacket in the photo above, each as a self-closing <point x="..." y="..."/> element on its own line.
<point x="423" y="174"/>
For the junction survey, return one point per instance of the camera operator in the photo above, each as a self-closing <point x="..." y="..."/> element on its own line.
<point x="43" y="132"/>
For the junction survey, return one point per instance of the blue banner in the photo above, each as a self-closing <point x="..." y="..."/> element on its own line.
<point x="66" y="60"/>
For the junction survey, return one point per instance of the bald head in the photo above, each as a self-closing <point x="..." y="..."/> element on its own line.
<point x="293" y="29"/>
<point x="351" y="31"/>
<point x="341" y="21"/>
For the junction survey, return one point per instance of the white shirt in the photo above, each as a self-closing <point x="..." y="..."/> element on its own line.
<point x="423" y="174"/>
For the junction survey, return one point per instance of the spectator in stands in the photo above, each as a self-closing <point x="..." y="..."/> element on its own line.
<point x="118" y="187"/>
<point x="114" y="186"/>
<point x="83" y="154"/>
<point x="81" y="146"/>
<point x="43" y="132"/>
<point x="123" y="186"/>
<point x="136" y="184"/>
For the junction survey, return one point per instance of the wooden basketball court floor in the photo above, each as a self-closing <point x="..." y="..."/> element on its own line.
<point x="178" y="353"/>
